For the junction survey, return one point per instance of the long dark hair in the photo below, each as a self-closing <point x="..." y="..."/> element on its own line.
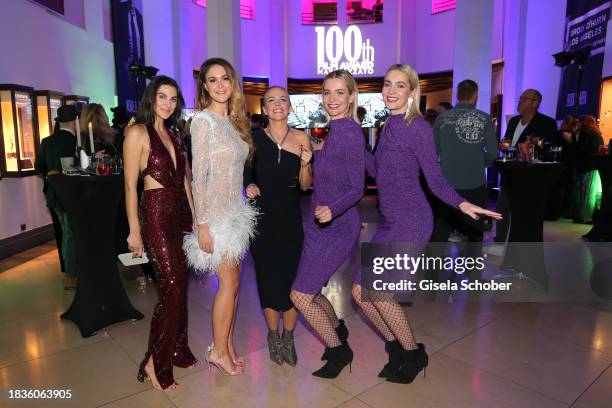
<point x="146" y="114"/>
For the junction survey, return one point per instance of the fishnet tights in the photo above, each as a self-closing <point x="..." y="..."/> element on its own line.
<point x="317" y="316"/>
<point x="329" y="309"/>
<point x="386" y="315"/>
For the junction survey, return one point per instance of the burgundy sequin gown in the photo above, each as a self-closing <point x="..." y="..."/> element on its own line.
<point x="165" y="217"/>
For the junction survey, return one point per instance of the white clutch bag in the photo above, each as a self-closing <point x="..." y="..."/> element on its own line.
<point x="127" y="259"/>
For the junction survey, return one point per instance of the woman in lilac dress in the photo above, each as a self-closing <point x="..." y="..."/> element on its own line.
<point x="332" y="229"/>
<point x="406" y="147"/>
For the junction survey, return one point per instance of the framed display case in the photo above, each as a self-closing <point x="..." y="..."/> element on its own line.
<point x="47" y="103"/>
<point x="78" y="100"/>
<point x="18" y="128"/>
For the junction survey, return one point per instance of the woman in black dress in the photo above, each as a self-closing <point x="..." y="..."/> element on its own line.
<point x="280" y="167"/>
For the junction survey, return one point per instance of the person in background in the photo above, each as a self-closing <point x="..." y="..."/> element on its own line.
<point x="104" y="135"/>
<point x="444" y="106"/>
<point x="361" y="113"/>
<point x="255" y="121"/>
<point x="60" y="144"/>
<point x="187" y="140"/>
<point x="566" y="138"/>
<point x="529" y="125"/>
<point x="430" y="116"/>
<point x="466" y="145"/>
<point x="587" y="144"/>
<point x="119" y="121"/>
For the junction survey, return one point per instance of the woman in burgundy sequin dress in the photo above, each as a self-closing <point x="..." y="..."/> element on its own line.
<point x="151" y="148"/>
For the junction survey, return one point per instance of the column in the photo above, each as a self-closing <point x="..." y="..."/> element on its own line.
<point x="159" y="36"/>
<point x="406" y="33"/>
<point x="515" y="27"/>
<point x="93" y="11"/>
<point x="474" y="47"/>
<point x="278" y="43"/>
<point x="223" y="31"/>
<point x="183" y="46"/>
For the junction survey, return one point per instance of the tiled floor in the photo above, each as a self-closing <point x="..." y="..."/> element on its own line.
<point x="481" y="355"/>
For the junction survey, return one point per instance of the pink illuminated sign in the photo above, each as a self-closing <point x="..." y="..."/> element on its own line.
<point x="438" y="6"/>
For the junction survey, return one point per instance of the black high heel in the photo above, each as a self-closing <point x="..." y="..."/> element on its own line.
<point x="337" y="358"/>
<point x="394" y="349"/>
<point x="343" y="333"/>
<point x="413" y="361"/>
<point x="141" y="370"/>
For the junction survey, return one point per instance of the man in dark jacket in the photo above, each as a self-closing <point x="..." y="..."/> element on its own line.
<point x="522" y="128"/>
<point x="466" y="144"/>
<point x="48" y="161"/>
<point x="530" y="123"/>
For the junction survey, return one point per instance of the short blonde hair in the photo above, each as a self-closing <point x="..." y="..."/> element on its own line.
<point x="351" y="85"/>
<point x="413" y="80"/>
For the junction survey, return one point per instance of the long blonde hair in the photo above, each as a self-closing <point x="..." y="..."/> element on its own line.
<point x="94" y="113"/>
<point x="235" y="106"/>
<point x="413" y="110"/>
<point x="351" y="85"/>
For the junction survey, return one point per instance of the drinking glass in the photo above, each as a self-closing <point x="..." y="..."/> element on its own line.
<point x="555" y="151"/>
<point x="104" y="166"/>
<point x="504" y="146"/>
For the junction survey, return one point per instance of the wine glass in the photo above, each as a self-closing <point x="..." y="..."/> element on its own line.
<point x="104" y="167"/>
<point x="555" y="151"/>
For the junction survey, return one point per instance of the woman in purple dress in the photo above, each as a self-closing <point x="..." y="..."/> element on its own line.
<point x="332" y="229"/>
<point x="406" y="147"/>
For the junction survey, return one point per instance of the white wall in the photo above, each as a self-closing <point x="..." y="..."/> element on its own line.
<point x="47" y="52"/>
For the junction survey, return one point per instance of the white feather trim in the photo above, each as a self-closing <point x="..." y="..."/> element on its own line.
<point x="231" y="236"/>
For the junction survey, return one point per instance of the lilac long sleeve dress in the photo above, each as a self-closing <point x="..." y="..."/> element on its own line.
<point x="402" y="151"/>
<point x="338" y="172"/>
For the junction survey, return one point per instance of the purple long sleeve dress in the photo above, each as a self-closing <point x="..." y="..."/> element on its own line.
<point x="338" y="171"/>
<point x="402" y="150"/>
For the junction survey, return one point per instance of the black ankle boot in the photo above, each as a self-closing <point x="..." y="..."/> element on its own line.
<point x="412" y="362"/>
<point x="343" y="333"/>
<point x="394" y="349"/>
<point x="337" y="358"/>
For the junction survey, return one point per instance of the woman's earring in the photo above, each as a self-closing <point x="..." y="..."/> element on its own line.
<point x="410" y="102"/>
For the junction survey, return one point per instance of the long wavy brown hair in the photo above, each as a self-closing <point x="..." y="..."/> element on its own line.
<point x="235" y="105"/>
<point x="95" y="113"/>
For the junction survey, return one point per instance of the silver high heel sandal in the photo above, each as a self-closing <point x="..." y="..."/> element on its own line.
<point x="217" y="364"/>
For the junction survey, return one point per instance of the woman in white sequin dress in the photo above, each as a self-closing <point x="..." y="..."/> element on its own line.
<point x="221" y="143"/>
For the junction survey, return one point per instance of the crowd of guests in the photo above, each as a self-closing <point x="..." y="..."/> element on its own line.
<point x="184" y="186"/>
